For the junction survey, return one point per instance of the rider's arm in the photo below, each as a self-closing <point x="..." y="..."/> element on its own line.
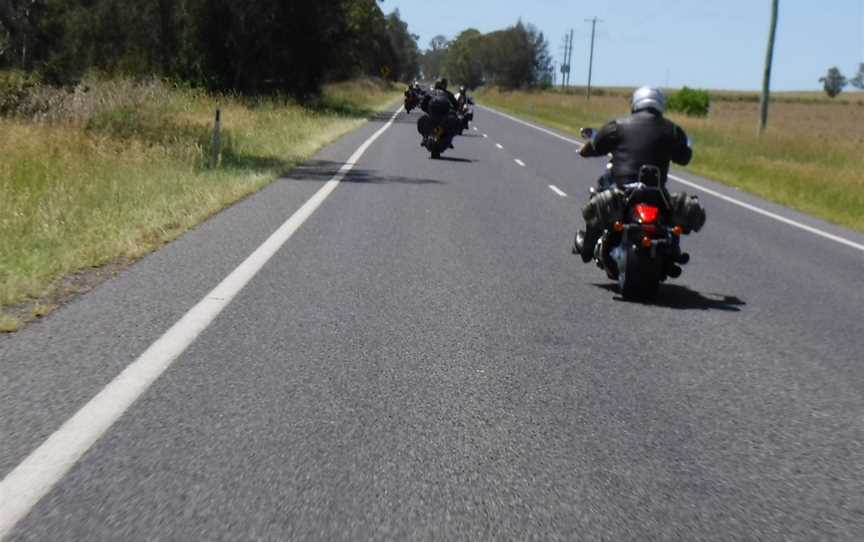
<point x="603" y="143"/>
<point x="681" y="151"/>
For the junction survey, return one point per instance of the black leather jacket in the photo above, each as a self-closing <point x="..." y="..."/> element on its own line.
<point x="424" y="104"/>
<point x="643" y="138"/>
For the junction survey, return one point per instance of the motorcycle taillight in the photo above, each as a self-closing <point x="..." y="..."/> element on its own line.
<point x="646" y="214"/>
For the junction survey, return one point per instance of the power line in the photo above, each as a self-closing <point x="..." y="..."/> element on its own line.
<point x="593" y="22"/>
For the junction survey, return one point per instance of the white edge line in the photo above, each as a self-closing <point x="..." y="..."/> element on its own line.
<point x="755" y="209"/>
<point x="520" y="162"/>
<point x="769" y="214"/>
<point x="558" y="191"/>
<point x="34" y="477"/>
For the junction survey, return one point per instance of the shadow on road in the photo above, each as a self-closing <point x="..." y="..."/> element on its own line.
<point x="454" y="159"/>
<point x="674" y="296"/>
<point x="324" y="170"/>
<point x="401" y="118"/>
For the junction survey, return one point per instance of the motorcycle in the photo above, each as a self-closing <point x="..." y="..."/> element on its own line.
<point x="437" y="141"/>
<point x="641" y="244"/>
<point x="412" y="100"/>
<point x="466" y="115"/>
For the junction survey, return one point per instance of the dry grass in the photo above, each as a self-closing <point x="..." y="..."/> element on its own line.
<point x="114" y="171"/>
<point x="810" y="157"/>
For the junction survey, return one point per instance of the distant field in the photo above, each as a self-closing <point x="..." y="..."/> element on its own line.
<point x="811" y="158"/>
<point x="100" y="177"/>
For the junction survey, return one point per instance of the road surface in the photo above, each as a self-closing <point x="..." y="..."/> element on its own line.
<point x="419" y="356"/>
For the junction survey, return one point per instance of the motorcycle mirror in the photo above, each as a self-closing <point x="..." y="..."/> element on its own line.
<point x="587" y="133"/>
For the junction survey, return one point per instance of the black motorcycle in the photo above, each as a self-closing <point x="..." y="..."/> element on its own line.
<point x="466" y="116"/>
<point x="641" y="243"/>
<point x="412" y="100"/>
<point x="439" y="135"/>
<point x="438" y="126"/>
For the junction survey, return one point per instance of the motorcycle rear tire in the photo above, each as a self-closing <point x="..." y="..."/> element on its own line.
<point x="639" y="279"/>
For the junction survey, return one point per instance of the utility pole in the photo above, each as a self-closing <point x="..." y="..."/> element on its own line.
<point x="593" y="22"/>
<point x="565" y="64"/>
<point x="769" y="58"/>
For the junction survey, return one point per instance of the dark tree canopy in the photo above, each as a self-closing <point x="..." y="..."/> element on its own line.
<point x="858" y="80"/>
<point x="251" y="46"/>
<point x="514" y="57"/>
<point x="833" y="82"/>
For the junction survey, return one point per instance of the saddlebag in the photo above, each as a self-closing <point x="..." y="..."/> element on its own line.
<point x="687" y="212"/>
<point x="605" y="208"/>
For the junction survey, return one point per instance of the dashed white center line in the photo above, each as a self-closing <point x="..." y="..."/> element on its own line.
<point x="520" y="162"/>
<point x="485" y="136"/>
<point x="499" y="145"/>
<point x="558" y="191"/>
<point x="475" y="128"/>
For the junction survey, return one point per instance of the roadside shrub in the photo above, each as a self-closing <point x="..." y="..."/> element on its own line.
<point x="15" y="87"/>
<point x="691" y="102"/>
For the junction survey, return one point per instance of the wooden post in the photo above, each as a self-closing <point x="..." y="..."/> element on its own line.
<point x="216" y="142"/>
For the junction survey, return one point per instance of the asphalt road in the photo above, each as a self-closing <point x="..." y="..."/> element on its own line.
<point x="425" y="359"/>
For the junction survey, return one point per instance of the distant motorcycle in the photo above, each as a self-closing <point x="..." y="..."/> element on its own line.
<point x="438" y="126"/>
<point x="412" y="100"/>
<point x="465" y="115"/>
<point x="640" y="246"/>
<point x="465" y="112"/>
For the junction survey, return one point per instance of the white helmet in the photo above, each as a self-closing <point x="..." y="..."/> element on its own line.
<point x="648" y="98"/>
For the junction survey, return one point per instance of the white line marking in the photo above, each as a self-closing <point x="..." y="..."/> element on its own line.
<point x="485" y="136"/>
<point x="528" y="124"/>
<point x="520" y="162"/>
<point x="499" y="145"/>
<point x="475" y="128"/>
<point x="755" y="209"/>
<point x="769" y="214"/>
<point x="22" y="488"/>
<point x="558" y="191"/>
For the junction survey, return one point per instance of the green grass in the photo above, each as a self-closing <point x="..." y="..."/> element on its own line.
<point x="810" y="157"/>
<point x="110" y="174"/>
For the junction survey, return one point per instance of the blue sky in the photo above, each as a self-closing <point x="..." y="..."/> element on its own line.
<point x="700" y="43"/>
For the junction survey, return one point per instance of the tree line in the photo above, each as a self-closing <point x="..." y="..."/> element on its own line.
<point x="246" y="46"/>
<point x="515" y="57"/>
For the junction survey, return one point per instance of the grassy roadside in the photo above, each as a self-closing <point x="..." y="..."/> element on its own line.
<point x="93" y="179"/>
<point x="809" y="159"/>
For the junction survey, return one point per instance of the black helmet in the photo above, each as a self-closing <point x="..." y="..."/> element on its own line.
<point x="443" y="83"/>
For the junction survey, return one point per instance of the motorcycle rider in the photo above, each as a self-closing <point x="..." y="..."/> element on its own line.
<point x="644" y="137"/>
<point x="462" y="97"/>
<point x="439" y="103"/>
